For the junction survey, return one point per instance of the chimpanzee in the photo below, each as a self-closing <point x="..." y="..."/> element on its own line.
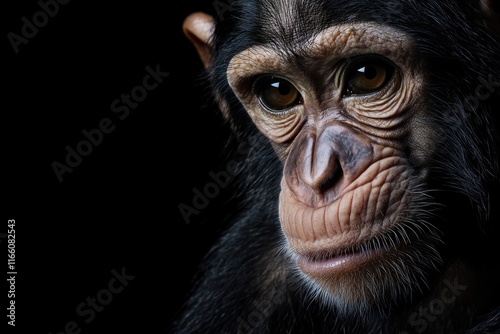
<point x="368" y="197"/>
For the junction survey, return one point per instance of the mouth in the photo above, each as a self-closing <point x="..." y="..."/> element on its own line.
<point x="326" y="262"/>
<point x="330" y="260"/>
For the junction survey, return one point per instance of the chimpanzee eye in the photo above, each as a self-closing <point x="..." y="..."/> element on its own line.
<point x="277" y="94"/>
<point x="368" y="76"/>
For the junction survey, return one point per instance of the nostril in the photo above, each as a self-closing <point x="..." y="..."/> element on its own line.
<point x="333" y="178"/>
<point x="323" y="162"/>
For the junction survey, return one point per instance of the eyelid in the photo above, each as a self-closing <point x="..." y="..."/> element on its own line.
<point x="354" y="61"/>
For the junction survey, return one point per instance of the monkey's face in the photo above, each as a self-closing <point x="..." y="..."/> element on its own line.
<point x="345" y="113"/>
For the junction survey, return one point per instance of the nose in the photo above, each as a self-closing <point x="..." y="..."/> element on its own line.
<point x="323" y="163"/>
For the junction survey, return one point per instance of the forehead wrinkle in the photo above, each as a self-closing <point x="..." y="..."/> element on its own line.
<point x="348" y="40"/>
<point x="332" y="43"/>
<point x="257" y="59"/>
<point x="288" y="22"/>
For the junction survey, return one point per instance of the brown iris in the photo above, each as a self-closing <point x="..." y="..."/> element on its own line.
<point x="277" y="94"/>
<point x="368" y="77"/>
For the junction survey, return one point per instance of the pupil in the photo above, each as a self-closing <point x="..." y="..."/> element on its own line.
<point x="283" y="89"/>
<point x="370" y="72"/>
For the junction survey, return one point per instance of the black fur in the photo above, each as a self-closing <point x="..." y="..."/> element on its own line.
<point x="246" y="285"/>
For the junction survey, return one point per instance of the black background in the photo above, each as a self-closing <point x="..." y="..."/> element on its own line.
<point x="119" y="207"/>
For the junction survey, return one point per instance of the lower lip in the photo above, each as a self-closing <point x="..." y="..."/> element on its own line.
<point x="339" y="263"/>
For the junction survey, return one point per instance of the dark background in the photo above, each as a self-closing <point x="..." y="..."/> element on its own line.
<point x="118" y="209"/>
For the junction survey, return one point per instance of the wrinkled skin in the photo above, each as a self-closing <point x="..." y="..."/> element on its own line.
<point x="383" y="174"/>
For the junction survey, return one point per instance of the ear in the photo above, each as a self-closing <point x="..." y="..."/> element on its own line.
<point x="198" y="28"/>
<point x="491" y="11"/>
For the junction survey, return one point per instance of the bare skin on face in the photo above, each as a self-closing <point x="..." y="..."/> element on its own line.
<point x="339" y="118"/>
<point x="387" y="175"/>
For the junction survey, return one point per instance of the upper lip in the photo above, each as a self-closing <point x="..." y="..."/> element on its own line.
<point x="382" y="241"/>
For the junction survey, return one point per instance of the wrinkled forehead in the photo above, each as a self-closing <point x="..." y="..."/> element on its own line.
<point x="291" y="22"/>
<point x="326" y="47"/>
